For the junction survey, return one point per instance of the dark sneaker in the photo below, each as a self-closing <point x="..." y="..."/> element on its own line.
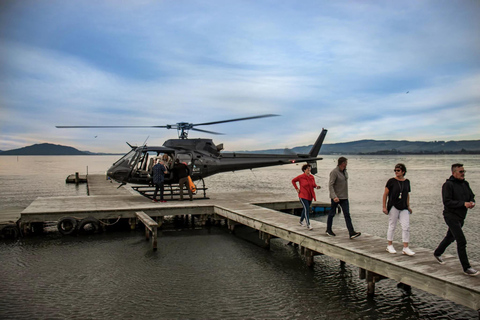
<point x="439" y="259"/>
<point x="330" y="233"/>
<point x="471" y="272"/>
<point x="355" y="234"/>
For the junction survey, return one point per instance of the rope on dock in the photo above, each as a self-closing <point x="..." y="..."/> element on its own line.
<point x="110" y="224"/>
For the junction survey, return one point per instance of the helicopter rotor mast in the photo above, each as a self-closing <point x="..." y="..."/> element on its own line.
<point x="182" y="127"/>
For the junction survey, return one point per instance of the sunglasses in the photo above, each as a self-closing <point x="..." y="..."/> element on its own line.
<point x="462" y="171"/>
<point x="397" y="170"/>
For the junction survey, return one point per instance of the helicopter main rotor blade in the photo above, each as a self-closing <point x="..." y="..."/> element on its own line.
<point x="212" y="132"/>
<point x="69" y="127"/>
<point x="238" y="119"/>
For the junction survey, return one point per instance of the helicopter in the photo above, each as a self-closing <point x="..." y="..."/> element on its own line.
<point x="202" y="156"/>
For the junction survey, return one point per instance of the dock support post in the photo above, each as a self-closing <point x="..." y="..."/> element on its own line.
<point x="309" y="257"/>
<point x="370" y="283"/>
<point x="147" y="234"/>
<point x="372" y="278"/>
<point x="362" y="273"/>
<point x="154" y="240"/>
<point x="265" y="237"/>
<point x="77" y="178"/>
<point x="231" y="225"/>
<point x="150" y="226"/>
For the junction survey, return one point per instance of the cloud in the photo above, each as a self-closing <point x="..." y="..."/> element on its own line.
<point x="342" y="65"/>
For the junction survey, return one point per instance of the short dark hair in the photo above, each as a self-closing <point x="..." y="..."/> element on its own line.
<point x="305" y="166"/>
<point x="341" y="160"/>
<point x="456" y="165"/>
<point x="402" y="167"/>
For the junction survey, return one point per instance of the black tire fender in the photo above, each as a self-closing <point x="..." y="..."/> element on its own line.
<point x="10" y="231"/>
<point x="89" y="225"/>
<point x="67" y="226"/>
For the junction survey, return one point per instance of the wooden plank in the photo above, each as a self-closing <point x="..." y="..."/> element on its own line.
<point x="147" y="221"/>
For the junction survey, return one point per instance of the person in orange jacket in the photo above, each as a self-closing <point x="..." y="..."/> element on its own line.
<point x="306" y="192"/>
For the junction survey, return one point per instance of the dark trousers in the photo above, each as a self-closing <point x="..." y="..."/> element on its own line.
<point x="160" y="186"/>
<point x="306" y="210"/>
<point x="184" y="182"/>
<point x="455" y="233"/>
<point x="346" y="214"/>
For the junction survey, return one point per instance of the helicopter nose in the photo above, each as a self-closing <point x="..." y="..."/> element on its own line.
<point x="117" y="175"/>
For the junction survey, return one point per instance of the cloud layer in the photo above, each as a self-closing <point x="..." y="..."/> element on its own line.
<point x="344" y="65"/>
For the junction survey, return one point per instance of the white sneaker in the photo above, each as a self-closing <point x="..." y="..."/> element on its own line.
<point x="301" y="223"/>
<point x="471" y="272"/>
<point x="391" y="249"/>
<point x="407" y="251"/>
<point x="310" y="227"/>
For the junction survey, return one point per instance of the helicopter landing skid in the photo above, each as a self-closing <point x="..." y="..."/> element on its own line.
<point x="171" y="191"/>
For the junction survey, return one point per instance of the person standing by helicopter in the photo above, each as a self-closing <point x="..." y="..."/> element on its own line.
<point x="181" y="171"/>
<point x="158" y="178"/>
<point x="306" y="192"/>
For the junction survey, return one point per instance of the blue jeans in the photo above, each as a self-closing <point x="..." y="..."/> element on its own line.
<point x="306" y="211"/>
<point x="455" y="233"/>
<point x="346" y="214"/>
<point x="161" y="187"/>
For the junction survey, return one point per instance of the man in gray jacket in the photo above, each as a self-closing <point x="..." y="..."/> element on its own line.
<point x="338" y="187"/>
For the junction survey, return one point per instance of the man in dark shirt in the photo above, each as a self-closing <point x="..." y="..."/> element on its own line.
<point x="182" y="171"/>
<point x="457" y="199"/>
<point x="158" y="178"/>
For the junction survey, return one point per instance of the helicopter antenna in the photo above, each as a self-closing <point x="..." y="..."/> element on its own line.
<point x="251" y="170"/>
<point x="145" y="142"/>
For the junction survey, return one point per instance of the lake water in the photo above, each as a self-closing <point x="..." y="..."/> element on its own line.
<point x="211" y="274"/>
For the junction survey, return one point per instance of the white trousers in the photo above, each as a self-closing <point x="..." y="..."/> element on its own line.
<point x="395" y="215"/>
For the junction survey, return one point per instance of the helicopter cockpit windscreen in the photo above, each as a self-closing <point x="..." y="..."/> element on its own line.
<point x="126" y="158"/>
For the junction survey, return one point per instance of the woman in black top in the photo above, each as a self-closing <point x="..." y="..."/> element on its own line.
<point x="396" y="204"/>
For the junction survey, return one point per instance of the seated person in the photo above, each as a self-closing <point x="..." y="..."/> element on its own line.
<point x="167" y="161"/>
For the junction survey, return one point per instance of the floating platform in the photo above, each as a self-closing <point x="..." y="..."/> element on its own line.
<point x="76" y="178"/>
<point x="260" y="211"/>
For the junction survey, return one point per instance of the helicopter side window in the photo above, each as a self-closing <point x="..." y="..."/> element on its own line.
<point x="185" y="157"/>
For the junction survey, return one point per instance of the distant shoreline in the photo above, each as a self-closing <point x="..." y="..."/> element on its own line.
<point x="62" y="155"/>
<point x="360" y="147"/>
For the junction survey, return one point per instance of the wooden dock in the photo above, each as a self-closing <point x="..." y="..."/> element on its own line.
<point x="259" y="211"/>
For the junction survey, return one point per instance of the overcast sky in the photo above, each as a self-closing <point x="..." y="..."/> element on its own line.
<point x="401" y="70"/>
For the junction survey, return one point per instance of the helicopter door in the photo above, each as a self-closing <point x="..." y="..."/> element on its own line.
<point x="139" y="166"/>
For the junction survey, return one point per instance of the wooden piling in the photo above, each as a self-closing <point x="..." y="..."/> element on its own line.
<point x="150" y="227"/>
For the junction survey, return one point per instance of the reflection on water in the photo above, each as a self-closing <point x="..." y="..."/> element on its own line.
<point x="199" y="274"/>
